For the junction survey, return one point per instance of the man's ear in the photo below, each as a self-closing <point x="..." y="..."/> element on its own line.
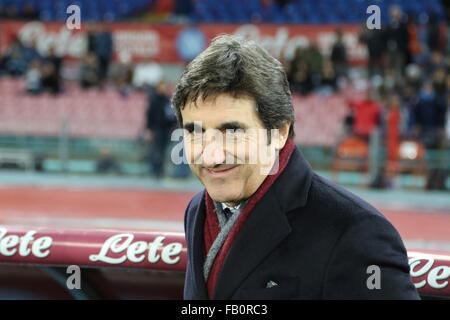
<point x="283" y="133"/>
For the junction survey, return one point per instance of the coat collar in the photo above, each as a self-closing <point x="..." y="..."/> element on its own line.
<point x="253" y="243"/>
<point x="292" y="186"/>
<point x="196" y="255"/>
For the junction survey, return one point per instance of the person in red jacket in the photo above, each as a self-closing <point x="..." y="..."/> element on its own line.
<point x="392" y="120"/>
<point x="392" y="127"/>
<point x="366" y="115"/>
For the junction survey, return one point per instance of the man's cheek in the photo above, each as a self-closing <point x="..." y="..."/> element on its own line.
<point x="193" y="158"/>
<point x="195" y="169"/>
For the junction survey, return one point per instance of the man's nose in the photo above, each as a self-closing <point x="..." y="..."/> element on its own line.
<point x="213" y="154"/>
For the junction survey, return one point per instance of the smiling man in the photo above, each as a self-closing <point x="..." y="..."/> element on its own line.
<point x="266" y="226"/>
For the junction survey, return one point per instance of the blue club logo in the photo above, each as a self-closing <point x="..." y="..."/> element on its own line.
<point x="190" y="42"/>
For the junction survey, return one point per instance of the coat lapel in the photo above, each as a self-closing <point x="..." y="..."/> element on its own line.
<point x="197" y="256"/>
<point x="265" y="228"/>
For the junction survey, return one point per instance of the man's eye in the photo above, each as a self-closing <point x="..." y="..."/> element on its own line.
<point x="193" y="135"/>
<point x="235" y="134"/>
<point x="194" y="131"/>
<point x="233" y="131"/>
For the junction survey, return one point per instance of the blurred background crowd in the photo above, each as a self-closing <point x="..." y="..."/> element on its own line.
<point x="100" y="107"/>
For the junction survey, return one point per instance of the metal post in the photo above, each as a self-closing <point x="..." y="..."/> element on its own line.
<point x="374" y="155"/>
<point x="64" y="145"/>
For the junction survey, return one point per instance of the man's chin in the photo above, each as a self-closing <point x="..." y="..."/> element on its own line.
<point x="222" y="195"/>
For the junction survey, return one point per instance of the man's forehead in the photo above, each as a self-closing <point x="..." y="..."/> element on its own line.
<point x="221" y="112"/>
<point x="223" y="100"/>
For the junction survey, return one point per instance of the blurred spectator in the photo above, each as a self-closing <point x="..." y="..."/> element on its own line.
<point x="374" y="39"/>
<point x="50" y="78"/>
<point x="55" y="60"/>
<point x="328" y="78"/>
<point x="307" y="71"/>
<point x="429" y="116"/>
<point x="295" y="63"/>
<point x="11" y="11"/>
<point x="448" y="84"/>
<point x="409" y="100"/>
<point x="14" y="60"/>
<point x="122" y="73"/>
<point x="390" y="123"/>
<point x="430" y="63"/>
<point x="2" y="65"/>
<point x="447" y="121"/>
<point x="107" y="163"/>
<point x="366" y="114"/>
<point x="29" y="11"/>
<point x="104" y="51"/>
<point x="301" y="81"/>
<point x="91" y="33"/>
<point x="392" y="120"/>
<point x="282" y="3"/>
<point x="347" y="125"/>
<point x="100" y="43"/>
<point x="15" y="64"/>
<point x="33" y="78"/>
<point x="447" y="44"/>
<point x="89" y="70"/>
<point x="51" y="66"/>
<point x="339" y="56"/>
<point x="413" y="75"/>
<point x="2" y="11"/>
<point x="159" y="124"/>
<point x="29" y="51"/>
<point x="17" y="57"/>
<point x="439" y="82"/>
<point x="397" y="37"/>
<point x="182" y="10"/>
<point x="433" y="33"/>
<point x="314" y="59"/>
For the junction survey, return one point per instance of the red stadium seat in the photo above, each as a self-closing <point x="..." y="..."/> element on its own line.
<point x="103" y="114"/>
<point x="352" y="154"/>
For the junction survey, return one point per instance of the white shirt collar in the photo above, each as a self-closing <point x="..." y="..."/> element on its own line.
<point x="232" y="208"/>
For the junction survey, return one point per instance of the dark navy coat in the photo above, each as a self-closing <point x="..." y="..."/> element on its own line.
<point x="312" y="238"/>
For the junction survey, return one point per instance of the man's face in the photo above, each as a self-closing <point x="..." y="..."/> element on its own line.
<point x="230" y="160"/>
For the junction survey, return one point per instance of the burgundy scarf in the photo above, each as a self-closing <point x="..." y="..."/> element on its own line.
<point x="212" y="228"/>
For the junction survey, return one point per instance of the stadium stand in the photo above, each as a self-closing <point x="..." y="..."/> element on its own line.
<point x="100" y="10"/>
<point x="111" y="114"/>
<point x="231" y="11"/>
<point x="307" y="12"/>
<point x="91" y="114"/>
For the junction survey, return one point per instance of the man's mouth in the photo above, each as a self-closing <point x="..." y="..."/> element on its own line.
<point x="219" y="172"/>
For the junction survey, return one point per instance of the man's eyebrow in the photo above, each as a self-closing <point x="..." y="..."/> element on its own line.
<point x="191" y="126"/>
<point x="232" y="125"/>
